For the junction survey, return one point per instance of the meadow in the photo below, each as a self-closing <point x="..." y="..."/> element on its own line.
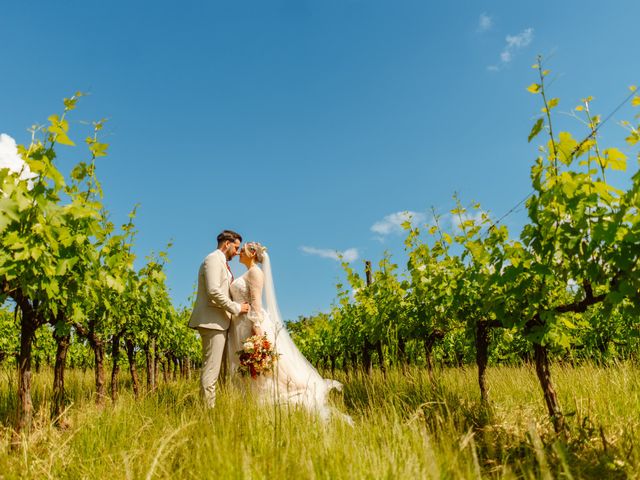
<point x="562" y="291"/>
<point x="405" y="426"/>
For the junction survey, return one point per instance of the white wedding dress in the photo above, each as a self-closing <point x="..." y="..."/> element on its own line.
<point x="294" y="380"/>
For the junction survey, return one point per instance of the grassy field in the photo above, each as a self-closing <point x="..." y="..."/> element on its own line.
<point x="405" y="427"/>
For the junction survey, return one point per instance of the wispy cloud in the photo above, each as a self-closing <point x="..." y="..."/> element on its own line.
<point x="485" y="22"/>
<point x="514" y="44"/>
<point x="349" y="255"/>
<point x="393" y="223"/>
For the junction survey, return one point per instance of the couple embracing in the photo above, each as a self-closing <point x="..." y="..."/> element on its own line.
<point x="227" y="311"/>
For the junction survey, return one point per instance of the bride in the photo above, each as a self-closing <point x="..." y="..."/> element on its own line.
<point x="294" y="380"/>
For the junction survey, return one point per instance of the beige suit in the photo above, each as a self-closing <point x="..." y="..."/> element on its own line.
<point x="211" y="316"/>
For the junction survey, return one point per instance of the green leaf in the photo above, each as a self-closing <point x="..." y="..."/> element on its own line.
<point x="604" y="190"/>
<point x="79" y="172"/>
<point x="4" y="222"/>
<point x="54" y="119"/>
<point x="569" y="184"/>
<point x="9" y="208"/>
<point x="78" y="314"/>
<point x="99" y="149"/>
<point x="537" y="127"/>
<point x="615" y="159"/>
<point x="566" y="147"/>
<point x="35" y="253"/>
<point x="62" y="328"/>
<point x="57" y="177"/>
<point x="63" y="139"/>
<point x="70" y="103"/>
<point x="36" y="166"/>
<point x="114" y="283"/>
<point x="534" y="88"/>
<point x="478" y="251"/>
<point x="58" y="126"/>
<point x="22" y="202"/>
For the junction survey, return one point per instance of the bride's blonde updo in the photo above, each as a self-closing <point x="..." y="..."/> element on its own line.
<point x="256" y="250"/>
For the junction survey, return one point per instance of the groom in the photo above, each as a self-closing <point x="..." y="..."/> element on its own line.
<point x="213" y="309"/>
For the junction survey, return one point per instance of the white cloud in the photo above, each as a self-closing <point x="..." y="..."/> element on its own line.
<point x="9" y="158"/>
<point x="513" y="45"/>
<point x="523" y="39"/>
<point x="485" y="22"/>
<point x="393" y="223"/>
<point x="349" y="255"/>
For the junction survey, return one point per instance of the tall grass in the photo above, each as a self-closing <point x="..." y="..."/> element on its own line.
<point x="404" y="427"/>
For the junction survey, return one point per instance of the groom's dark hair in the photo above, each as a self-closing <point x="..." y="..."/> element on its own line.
<point x="228" y="235"/>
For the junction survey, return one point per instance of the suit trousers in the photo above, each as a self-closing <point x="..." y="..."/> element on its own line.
<point x="213" y="343"/>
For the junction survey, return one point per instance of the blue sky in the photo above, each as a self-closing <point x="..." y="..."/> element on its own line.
<point x="304" y="124"/>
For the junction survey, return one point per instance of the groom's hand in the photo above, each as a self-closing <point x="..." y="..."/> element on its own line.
<point x="244" y="308"/>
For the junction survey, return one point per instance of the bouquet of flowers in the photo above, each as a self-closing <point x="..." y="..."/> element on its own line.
<point x="257" y="356"/>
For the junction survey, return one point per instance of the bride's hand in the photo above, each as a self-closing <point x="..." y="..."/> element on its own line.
<point x="257" y="330"/>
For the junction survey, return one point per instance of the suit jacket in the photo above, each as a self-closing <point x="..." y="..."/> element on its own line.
<point x="213" y="307"/>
